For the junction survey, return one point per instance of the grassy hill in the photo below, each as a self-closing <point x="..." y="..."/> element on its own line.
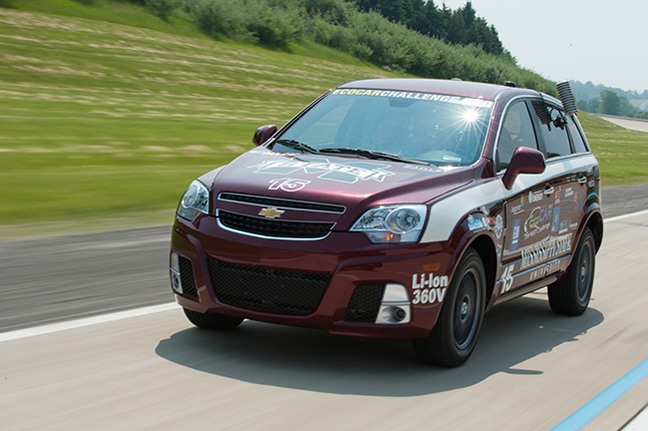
<point x="110" y="113"/>
<point x="103" y="120"/>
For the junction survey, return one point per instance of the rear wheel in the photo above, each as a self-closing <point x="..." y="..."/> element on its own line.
<point x="212" y="320"/>
<point x="571" y="296"/>
<point x="454" y="337"/>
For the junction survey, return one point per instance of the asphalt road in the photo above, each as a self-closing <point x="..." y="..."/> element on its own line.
<point x="50" y="280"/>
<point x="531" y="369"/>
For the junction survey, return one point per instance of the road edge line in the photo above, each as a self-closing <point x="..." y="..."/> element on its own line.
<point x="87" y="321"/>
<point x="624" y="216"/>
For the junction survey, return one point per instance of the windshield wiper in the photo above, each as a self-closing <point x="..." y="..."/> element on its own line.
<point x="378" y="155"/>
<point x="296" y="145"/>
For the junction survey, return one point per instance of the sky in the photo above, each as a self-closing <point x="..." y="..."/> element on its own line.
<point x="603" y="41"/>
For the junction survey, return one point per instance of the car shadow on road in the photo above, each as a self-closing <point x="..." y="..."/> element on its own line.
<point x="314" y="360"/>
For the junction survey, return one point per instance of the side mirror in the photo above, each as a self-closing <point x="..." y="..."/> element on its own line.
<point x="524" y="161"/>
<point x="263" y="133"/>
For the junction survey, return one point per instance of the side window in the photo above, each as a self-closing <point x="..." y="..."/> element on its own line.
<point x="577" y="138"/>
<point x="517" y="131"/>
<point x="554" y="133"/>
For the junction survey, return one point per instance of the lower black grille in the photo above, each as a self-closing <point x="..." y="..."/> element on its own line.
<point x="267" y="289"/>
<point x="273" y="228"/>
<point x="187" y="278"/>
<point x="364" y="303"/>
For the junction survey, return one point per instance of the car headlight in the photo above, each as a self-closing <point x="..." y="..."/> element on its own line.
<point x="392" y="224"/>
<point x="194" y="201"/>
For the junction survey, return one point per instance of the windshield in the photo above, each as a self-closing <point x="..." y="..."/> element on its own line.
<point x="438" y="129"/>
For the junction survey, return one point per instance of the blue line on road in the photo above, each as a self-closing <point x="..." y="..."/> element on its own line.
<point x="602" y="401"/>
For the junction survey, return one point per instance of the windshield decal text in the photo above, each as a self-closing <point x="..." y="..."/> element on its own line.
<point x="415" y="96"/>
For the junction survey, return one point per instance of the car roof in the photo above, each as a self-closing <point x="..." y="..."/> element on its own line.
<point x="442" y="86"/>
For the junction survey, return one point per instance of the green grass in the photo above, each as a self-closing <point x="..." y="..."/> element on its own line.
<point x="109" y="113"/>
<point x="622" y="154"/>
<point x="103" y="121"/>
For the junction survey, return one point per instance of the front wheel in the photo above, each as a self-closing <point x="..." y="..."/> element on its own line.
<point x="571" y="296"/>
<point x="212" y="320"/>
<point x="454" y="337"/>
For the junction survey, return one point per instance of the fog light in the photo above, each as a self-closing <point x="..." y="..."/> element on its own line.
<point x="393" y="314"/>
<point x="399" y="314"/>
<point x="176" y="284"/>
<point x="395" y="306"/>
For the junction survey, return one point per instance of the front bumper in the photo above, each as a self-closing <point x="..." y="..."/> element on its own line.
<point x="340" y="283"/>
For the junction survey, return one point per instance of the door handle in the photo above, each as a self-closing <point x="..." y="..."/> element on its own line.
<point x="582" y="180"/>
<point x="548" y="190"/>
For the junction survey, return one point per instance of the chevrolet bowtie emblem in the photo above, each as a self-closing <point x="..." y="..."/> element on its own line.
<point x="271" y="213"/>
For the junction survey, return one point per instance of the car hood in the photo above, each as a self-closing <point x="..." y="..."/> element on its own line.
<point x="355" y="183"/>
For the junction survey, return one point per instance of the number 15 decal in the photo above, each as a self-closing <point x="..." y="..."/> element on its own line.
<point x="287" y="184"/>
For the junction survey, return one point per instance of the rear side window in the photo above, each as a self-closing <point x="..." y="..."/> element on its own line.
<point x="577" y="138"/>
<point x="517" y="131"/>
<point x="554" y="131"/>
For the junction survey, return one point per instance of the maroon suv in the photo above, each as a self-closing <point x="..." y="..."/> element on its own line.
<point x="396" y="208"/>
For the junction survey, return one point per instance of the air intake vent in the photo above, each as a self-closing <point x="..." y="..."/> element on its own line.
<point x="187" y="278"/>
<point x="364" y="303"/>
<point x="267" y="289"/>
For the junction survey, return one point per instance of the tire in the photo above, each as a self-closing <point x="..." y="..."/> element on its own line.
<point x="212" y="320"/>
<point x="571" y="296"/>
<point x="454" y="337"/>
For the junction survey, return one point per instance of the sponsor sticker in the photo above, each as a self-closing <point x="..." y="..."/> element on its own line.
<point x="499" y="226"/>
<point x="569" y="192"/>
<point x="515" y="234"/>
<point x="428" y="288"/>
<point x="475" y="223"/>
<point x="536" y="196"/>
<point x="541" y="252"/>
<point x="517" y="209"/>
<point x="349" y="173"/>
<point x="555" y="220"/>
<point x="538" y="221"/>
<point x="544" y="270"/>
<point x="564" y="227"/>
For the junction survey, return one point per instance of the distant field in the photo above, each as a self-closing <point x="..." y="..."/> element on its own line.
<point x="105" y="124"/>
<point x="622" y="153"/>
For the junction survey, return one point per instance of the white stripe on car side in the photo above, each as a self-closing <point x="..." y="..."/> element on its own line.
<point x="447" y="213"/>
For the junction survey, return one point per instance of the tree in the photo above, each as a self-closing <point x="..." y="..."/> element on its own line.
<point x="610" y="103"/>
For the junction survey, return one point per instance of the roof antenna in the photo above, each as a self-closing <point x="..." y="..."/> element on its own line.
<point x="498" y="77"/>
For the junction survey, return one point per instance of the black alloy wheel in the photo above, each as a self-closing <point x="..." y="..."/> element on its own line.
<point x="572" y="294"/>
<point x="454" y="337"/>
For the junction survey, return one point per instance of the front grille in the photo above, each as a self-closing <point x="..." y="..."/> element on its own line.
<point x="364" y="303"/>
<point x="283" y="203"/>
<point x="267" y="289"/>
<point x="187" y="278"/>
<point x="273" y="228"/>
